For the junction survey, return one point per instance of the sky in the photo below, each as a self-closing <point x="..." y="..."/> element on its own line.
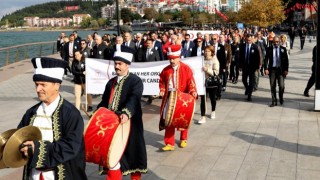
<point x="9" y="6"/>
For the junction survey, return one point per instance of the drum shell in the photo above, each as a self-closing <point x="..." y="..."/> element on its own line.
<point x="104" y="143"/>
<point x="180" y="110"/>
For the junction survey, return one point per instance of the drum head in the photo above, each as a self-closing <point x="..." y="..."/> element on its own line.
<point x="118" y="144"/>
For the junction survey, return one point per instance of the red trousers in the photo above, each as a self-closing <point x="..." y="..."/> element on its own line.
<point x="169" y="135"/>
<point x="117" y="175"/>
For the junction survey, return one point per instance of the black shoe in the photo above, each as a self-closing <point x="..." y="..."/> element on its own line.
<point x="235" y="82"/>
<point x="273" y="104"/>
<point x="89" y="109"/>
<point x="223" y="88"/>
<point x="249" y="98"/>
<point x="306" y="94"/>
<point x="149" y="101"/>
<point x="281" y="101"/>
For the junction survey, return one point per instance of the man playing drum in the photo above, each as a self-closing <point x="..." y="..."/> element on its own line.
<point x="122" y="95"/>
<point x="175" y="77"/>
<point x="60" y="154"/>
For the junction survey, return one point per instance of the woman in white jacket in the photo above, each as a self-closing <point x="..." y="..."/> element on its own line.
<point x="211" y="68"/>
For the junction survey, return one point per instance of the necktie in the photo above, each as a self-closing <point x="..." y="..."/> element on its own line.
<point x="127" y="44"/>
<point x="277" y="57"/>
<point x="248" y="54"/>
<point x="148" y="53"/>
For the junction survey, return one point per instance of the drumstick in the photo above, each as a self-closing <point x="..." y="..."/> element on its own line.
<point x="84" y="110"/>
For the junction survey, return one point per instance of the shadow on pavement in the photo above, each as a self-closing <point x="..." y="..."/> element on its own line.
<point x="267" y="140"/>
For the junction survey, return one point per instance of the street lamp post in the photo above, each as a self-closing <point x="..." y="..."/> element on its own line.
<point x="215" y="13"/>
<point x="118" y="17"/>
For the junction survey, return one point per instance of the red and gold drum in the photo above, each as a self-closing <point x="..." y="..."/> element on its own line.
<point x="105" y="138"/>
<point x="180" y="110"/>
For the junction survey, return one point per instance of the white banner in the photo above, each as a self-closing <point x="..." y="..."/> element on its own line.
<point x="99" y="72"/>
<point x="193" y="33"/>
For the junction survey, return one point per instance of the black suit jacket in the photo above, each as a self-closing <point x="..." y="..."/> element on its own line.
<point x="187" y="52"/>
<point x="158" y="46"/>
<point x="221" y="55"/>
<point x="194" y="51"/>
<point x="254" y="59"/>
<point x="284" y="61"/>
<point x="204" y="43"/>
<point x="139" y="51"/>
<point x="100" y="51"/>
<point x="132" y="45"/>
<point x="154" y="56"/>
<point x="66" y="50"/>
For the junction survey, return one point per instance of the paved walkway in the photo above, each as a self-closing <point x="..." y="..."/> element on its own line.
<point x="247" y="140"/>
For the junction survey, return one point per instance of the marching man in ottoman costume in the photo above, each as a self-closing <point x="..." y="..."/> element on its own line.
<point x="60" y="154"/>
<point x="122" y="95"/>
<point x="175" y="77"/>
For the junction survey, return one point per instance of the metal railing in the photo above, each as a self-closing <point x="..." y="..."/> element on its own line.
<point x="9" y="55"/>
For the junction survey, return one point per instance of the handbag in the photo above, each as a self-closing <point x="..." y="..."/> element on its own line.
<point x="212" y="81"/>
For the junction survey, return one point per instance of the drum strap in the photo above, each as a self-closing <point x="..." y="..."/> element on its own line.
<point x="112" y="91"/>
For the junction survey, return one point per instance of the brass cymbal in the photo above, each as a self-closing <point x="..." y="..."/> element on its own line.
<point x="12" y="157"/>
<point x="3" y="140"/>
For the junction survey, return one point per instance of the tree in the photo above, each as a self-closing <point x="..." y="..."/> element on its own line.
<point x="136" y="16"/>
<point x="201" y="18"/>
<point x="101" y="22"/>
<point x="186" y="17"/>
<point x="262" y="13"/>
<point x="85" y="22"/>
<point x="232" y="16"/>
<point x="126" y="14"/>
<point x="164" y="18"/>
<point x="150" y="13"/>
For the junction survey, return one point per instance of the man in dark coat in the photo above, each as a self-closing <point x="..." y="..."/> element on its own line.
<point x="249" y="63"/>
<point x="312" y="78"/>
<point x="122" y="95"/>
<point x="60" y="154"/>
<point x="187" y="46"/>
<point x="100" y="50"/>
<point x="276" y="65"/>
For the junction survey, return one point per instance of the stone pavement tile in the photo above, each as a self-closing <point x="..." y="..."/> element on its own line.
<point x="283" y="154"/>
<point x="241" y="136"/>
<point x="221" y="175"/>
<point x="308" y="162"/>
<point x="288" y="130"/>
<point x="225" y="129"/>
<point x="278" y="178"/>
<point x="260" y="157"/>
<point x="307" y="174"/>
<point x="252" y="171"/>
<point x="165" y="172"/>
<point x="228" y="163"/>
<point x="262" y="142"/>
<point x="156" y="159"/>
<point x="236" y="148"/>
<point x="308" y="116"/>
<point x="177" y="158"/>
<point x="282" y="168"/>
<point x="218" y="140"/>
<point x="308" y="130"/>
<point x="268" y="131"/>
<point x="248" y="126"/>
<point x="202" y="162"/>
<point x="309" y="147"/>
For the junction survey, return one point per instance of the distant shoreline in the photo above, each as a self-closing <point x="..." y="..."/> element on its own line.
<point x="48" y="29"/>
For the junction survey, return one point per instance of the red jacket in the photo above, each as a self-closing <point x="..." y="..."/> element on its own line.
<point x="185" y="83"/>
